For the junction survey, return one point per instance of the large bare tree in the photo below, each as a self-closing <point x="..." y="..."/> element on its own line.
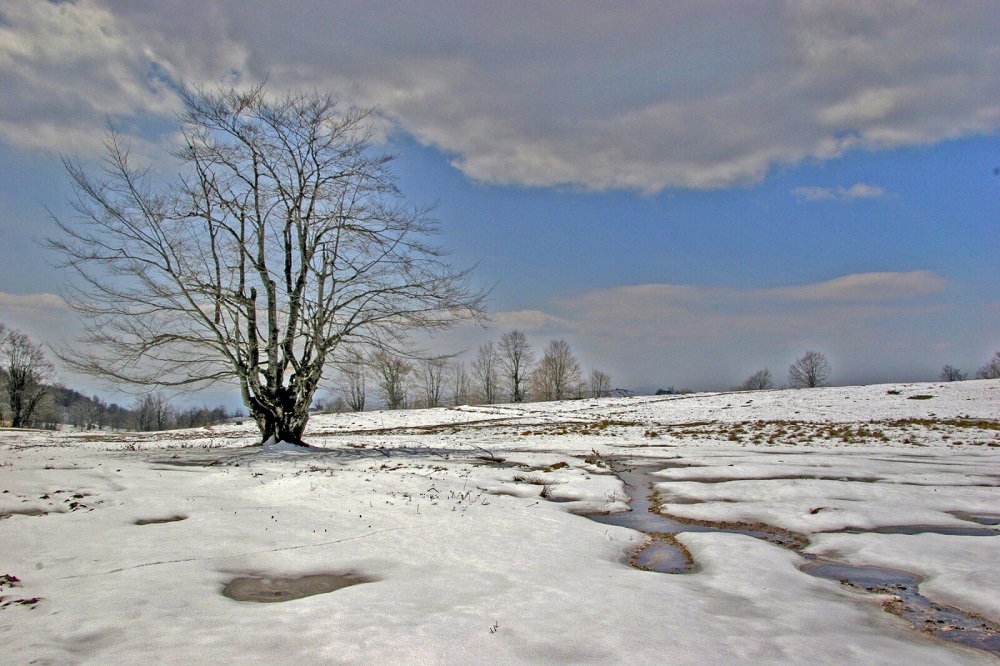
<point x="283" y="241"/>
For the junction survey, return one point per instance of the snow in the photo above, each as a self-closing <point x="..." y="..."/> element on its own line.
<point x="466" y="520"/>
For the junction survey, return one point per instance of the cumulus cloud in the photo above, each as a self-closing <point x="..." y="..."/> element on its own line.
<point x="66" y="68"/>
<point x="856" y="191"/>
<point x="636" y="95"/>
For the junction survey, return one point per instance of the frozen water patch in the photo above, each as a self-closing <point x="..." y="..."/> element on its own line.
<point x="925" y="615"/>
<point x="157" y="521"/>
<point x="981" y="518"/>
<point x="946" y="530"/>
<point x="270" y="589"/>
<point x="644" y="517"/>
<point x="665" y="554"/>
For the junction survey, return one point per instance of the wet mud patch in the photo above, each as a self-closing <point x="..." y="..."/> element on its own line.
<point x="166" y="463"/>
<point x="664" y="553"/>
<point x="781" y="477"/>
<point x="945" y="622"/>
<point x="268" y="589"/>
<point x="981" y="518"/>
<point x="156" y="521"/>
<point x="946" y="530"/>
<point x="648" y="516"/>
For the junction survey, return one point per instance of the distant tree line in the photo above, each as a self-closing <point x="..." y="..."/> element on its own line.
<point x="503" y="371"/>
<point x="812" y="369"/>
<point x="31" y="398"/>
<point x="989" y="371"/>
<point x="149" y="412"/>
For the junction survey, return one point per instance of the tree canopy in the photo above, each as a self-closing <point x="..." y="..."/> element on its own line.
<point x="283" y="244"/>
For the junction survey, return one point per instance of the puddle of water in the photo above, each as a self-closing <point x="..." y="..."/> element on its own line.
<point x="946" y="530"/>
<point x="269" y="590"/>
<point x="665" y="554"/>
<point x="155" y="521"/>
<point x="644" y="518"/>
<point x="981" y="518"/>
<point x="187" y="462"/>
<point x="925" y="615"/>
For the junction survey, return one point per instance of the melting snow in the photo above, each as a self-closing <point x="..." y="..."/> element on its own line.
<point x="465" y="524"/>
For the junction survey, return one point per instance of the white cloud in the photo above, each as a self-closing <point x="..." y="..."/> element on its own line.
<point x="535" y="321"/>
<point x="865" y="287"/>
<point x="40" y="308"/>
<point x="66" y="67"/>
<point x="709" y="336"/>
<point x="638" y="95"/>
<point x="856" y="191"/>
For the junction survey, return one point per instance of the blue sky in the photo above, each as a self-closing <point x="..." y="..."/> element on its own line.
<point x="685" y="192"/>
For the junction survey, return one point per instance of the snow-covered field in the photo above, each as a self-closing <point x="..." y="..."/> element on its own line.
<point x="463" y="531"/>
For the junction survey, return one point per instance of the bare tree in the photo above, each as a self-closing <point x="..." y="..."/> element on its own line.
<point x="557" y="375"/>
<point x="353" y="373"/>
<point x="951" y="374"/>
<point x="26" y="375"/>
<point x="758" y="381"/>
<point x="432" y="380"/>
<point x="460" y="383"/>
<point x="600" y="384"/>
<point x="284" y="238"/>
<point x="991" y="370"/>
<point x="485" y="370"/>
<point x="391" y="375"/>
<point x="516" y="359"/>
<point x="152" y="411"/>
<point x="809" y="371"/>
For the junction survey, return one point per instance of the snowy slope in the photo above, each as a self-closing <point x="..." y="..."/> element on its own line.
<point x="451" y="515"/>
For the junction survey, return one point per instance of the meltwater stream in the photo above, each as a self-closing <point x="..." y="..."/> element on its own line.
<point x="666" y="554"/>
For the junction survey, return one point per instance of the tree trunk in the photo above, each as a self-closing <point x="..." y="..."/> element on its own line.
<point x="287" y="426"/>
<point x="283" y="418"/>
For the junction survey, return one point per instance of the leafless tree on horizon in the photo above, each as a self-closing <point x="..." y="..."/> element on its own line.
<point x="516" y="361"/>
<point x="809" y="371"/>
<point x="25" y="375"/>
<point x="758" y="381"/>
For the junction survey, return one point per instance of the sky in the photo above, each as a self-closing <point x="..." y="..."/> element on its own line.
<point x="685" y="192"/>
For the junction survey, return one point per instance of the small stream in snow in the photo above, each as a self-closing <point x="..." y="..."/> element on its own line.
<point x="665" y="554"/>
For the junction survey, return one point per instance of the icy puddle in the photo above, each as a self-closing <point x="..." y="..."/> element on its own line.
<point x="942" y="621"/>
<point x="665" y="554"/>
<point x="272" y="589"/>
<point x="644" y="518"/>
